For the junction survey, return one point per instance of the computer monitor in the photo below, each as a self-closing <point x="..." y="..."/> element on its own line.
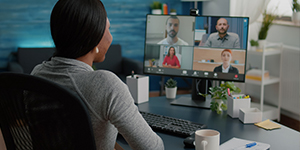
<point x="205" y="48"/>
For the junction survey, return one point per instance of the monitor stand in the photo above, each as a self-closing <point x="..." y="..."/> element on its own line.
<point x="198" y="86"/>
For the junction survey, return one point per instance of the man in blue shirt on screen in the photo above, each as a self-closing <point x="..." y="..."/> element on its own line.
<point x="222" y="38"/>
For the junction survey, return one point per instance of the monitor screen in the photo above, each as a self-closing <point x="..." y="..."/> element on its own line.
<point x="206" y="47"/>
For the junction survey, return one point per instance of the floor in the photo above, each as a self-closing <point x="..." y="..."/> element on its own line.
<point x="290" y="122"/>
<point x="285" y="120"/>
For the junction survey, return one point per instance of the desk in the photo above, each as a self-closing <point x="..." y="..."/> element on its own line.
<point x="279" y="139"/>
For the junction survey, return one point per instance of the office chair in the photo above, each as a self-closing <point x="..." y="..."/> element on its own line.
<point x="36" y="113"/>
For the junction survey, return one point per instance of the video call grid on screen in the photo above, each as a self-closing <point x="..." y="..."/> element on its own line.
<point x="196" y="59"/>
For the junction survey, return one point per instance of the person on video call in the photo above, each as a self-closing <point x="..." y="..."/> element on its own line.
<point x="172" y="27"/>
<point x="226" y="56"/>
<point x="171" y="60"/>
<point x="80" y="31"/>
<point x="222" y="38"/>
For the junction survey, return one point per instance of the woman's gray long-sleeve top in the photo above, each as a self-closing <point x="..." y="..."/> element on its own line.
<point x="108" y="99"/>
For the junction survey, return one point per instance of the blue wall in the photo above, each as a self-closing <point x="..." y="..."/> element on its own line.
<point x="25" y="23"/>
<point x="128" y="23"/>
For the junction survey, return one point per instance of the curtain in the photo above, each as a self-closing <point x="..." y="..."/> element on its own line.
<point x="252" y="9"/>
<point x="249" y="8"/>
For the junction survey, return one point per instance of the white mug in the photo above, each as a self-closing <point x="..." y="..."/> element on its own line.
<point x="207" y="139"/>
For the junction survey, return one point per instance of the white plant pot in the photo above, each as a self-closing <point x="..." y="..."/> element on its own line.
<point x="252" y="48"/>
<point x="171" y="93"/>
<point x="156" y="11"/>
<point x="261" y="44"/>
<point x="296" y="18"/>
<point x="220" y="102"/>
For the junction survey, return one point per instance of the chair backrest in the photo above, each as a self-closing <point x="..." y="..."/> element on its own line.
<point x="36" y="113"/>
<point x="113" y="60"/>
<point x="28" y="58"/>
<point x="203" y="39"/>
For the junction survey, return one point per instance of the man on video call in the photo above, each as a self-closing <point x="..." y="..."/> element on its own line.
<point x="172" y="27"/>
<point x="222" y="38"/>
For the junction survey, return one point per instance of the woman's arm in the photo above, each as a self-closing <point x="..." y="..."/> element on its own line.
<point x="125" y="116"/>
<point x="165" y="61"/>
<point x="177" y="62"/>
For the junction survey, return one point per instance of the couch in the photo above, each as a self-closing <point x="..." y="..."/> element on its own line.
<point x="28" y="58"/>
<point x="121" y="66"/>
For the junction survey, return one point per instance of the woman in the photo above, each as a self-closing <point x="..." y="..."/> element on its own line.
<point x="226" y="56"/>
<point x="80" y="31"/>
<point x="171" y="61"/>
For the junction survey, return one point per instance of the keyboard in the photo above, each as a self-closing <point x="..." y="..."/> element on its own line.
<point x="173" y="126"/>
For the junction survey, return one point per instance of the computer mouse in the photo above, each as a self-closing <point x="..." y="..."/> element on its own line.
<point x="189" y="142"/>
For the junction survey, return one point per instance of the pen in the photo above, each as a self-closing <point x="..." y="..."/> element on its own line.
<point x="244" y="146"/>
<point x="228" y="90"/>
<point x="246" y="96"/>
<point x="250" y="145"/>
<point x="132" y="73"/>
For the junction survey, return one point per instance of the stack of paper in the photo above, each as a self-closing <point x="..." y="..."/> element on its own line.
<point x="268" y="125"/>
<point x="241" y="144"/>
<point x="255" y="74"/>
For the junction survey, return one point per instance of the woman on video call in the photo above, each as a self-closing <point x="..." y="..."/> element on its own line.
<point x="226" y="56"/>
<point x="171" y="60"/>
<point x="80" y="31"/>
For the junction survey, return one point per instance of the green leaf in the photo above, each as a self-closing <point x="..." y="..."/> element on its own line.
<point x="224" y="106"/>
<point x="216" y="105"/>
<point x="171" y="83"/>
<point x="220" y="92"/>
<point x="156" y="5"/>
<point x="204" y="95"/>
<point x="253" y="43"/>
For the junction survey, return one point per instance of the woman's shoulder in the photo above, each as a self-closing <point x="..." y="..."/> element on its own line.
<point x="234" y="68"/>
<point x="218" y="67"/>
<point x="103" y="76"/>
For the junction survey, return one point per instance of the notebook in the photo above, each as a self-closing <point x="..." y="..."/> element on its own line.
<point x="240" y="144"/>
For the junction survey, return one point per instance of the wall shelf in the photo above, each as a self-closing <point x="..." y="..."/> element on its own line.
<point x="269" y="112"/>
<point x="269" y="49"/>
<point x="271" y="80"/>
<point x="268" y="52"/>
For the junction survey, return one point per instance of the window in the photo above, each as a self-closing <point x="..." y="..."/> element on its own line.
<point x="284" y="7"/>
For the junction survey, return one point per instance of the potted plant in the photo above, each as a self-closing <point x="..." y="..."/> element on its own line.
<point x="219" y="96"/>
<point x="173" y="11"/>
<point x="254" y="44"/>
<point x="156" y="7"/>
<point x="296" y="12"/>
<point x="268" y="19"/>
<point x="171" y="88"/>
<point x="151" y="62"/>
